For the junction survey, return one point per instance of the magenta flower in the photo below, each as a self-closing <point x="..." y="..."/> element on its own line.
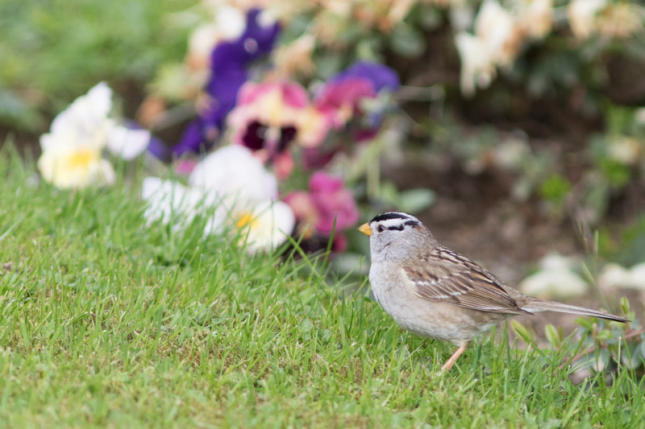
<point x="354" y="100"/>
<point x="333" y="202"/>
<point x="341" y="99"/>
<point x="270" y="116"/>
<point x="327" y="202"/>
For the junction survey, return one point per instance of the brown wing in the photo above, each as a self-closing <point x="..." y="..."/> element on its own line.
<point x="448" y="277"/>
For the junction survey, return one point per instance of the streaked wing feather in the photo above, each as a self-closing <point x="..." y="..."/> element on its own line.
<point x="448" y="277"/>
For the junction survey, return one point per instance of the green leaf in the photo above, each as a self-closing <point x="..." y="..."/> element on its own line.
<point x="553" y="336"/>
<point x="632" y="357"/>
<point x="624" y="305"/>
<point x="555" y="188"/>
<point x="616" y="173"/>
<point x="407" y="41"/>
<point x="604" y="334"/>
<point x="388" y="193"/>
<point x="585" y="322"/>
<point x="415" y="200"/>
<point x="522" y="332"/>
<point x="601" y="360"/>
<point x="411" y="201"/>
<point x="430" y="18"/>
<point x="327" y="64"/>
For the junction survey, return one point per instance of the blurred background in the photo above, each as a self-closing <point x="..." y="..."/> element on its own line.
<point x="515" y="129"/>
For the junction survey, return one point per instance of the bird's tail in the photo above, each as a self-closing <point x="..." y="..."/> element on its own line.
<point x="534" y="305"/>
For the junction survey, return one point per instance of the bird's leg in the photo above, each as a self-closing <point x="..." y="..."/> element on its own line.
<point x="450" y="362"/>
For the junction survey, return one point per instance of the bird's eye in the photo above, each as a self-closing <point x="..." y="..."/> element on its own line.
<point x="380" y="228"/>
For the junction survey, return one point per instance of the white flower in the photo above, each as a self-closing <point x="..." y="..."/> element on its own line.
<point x="83" y="122"/>
<point x="620" y="20"/>
<point x="496" y="28"/>
<point x="202" y="41"/>
<point x="536" y="17"/>
<point x="498" y="37"/>
<point x="582" y="15"/>
<point x="495" y="43"/>
<point x="556" y="278"/>
<point x="272" y="224"/>
<point x="296" y="56"/>
<point x="71" y="151"/>
<point x="233" y="185"/>
<point x="615" y="276"/>
<point x="510" y="153"/>
<point x="228" y="23"/>
<point x="477" y="68"/>
<point x="75" y="166"/>
<point x="265" y="226"/>
<point x="170" y="201"/>
<point x="229" y="18"/>
<point x="233" y="171"/>
<point x="127" y="143"/>
<point x="626" y="150"/>
<point x="267" y="17"/>
<point x="71" y="156"/>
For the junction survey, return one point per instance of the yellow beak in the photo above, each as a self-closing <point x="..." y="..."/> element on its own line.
<point x="365" y="229"/>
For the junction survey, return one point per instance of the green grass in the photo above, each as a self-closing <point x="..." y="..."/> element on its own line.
<point x="53" y="51"/>
<point x="105" y="321"/>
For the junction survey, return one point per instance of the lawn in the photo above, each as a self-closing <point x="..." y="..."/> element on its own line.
<point x="107" y="321"/>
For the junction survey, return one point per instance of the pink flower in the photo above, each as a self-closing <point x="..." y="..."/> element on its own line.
<point x="265" y="118"/>
<point x="283" y="165"/>
<point x="340" y="100"/>
<point x="270" y="116"/>
<point x="317" y="157"/>
<point x="306" y="213"/>
<point x="340" y="243"/>
<point x="291" y="94"/>
<point x="185" y="166"/>
<point x="351" y="98"/>
<point x="327" y="201"/>
<point x="313" y="127"/>
<point x="333" y="201"/>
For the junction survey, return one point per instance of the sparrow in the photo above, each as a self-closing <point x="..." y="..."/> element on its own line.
<point x="438" y="293"/>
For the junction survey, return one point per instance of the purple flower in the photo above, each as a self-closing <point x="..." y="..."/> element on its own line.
<point x="380" y="76"/>
<point x="230" y="61"/>
<point x="255" y="42"/>
<point x="159" y="149"/>
<point x="341" y="99"/>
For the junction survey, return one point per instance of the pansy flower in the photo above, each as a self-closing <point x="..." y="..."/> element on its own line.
<point x="327" y="206"/>
<point x="233" y="188"/>
<point x="499" y="35"/>
<point x="72" y="149"/>
<point x="354" y="99"/>
<point x="270" y="116"/>
<point x="228" y="23"/>
<point x="342" y="96"/>
<point x="229" y="71"/>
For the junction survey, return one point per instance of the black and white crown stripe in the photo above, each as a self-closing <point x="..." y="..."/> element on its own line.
<point x="395" y="220"/>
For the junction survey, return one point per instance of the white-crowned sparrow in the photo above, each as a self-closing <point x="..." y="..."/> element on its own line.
<point x="437" y="293"/>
